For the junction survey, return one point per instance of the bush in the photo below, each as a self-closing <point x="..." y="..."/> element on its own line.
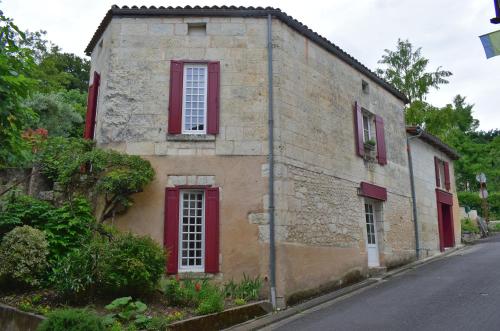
<point x="469" y="226"/>
<point x="72" y="320"/>
<point x="211" y="300"/>
<point x="248" y="289"/>
<point x="131" y="265"/>
<point x="75" y="275"/>
<point x="23" y="255"/>
<point x="65" y="228"/>
<point x="471" y="200"/>
<point x="207" y="298"/>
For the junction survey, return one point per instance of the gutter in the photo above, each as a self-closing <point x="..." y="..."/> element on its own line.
<point x="272" y="246"/>
<point x="419" y="132"/>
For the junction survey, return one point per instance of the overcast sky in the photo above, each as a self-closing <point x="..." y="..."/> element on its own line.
<point x="447" y="31"/>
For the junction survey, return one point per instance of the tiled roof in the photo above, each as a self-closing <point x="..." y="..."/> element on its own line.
<point x="433" y="141"/>
<point x="233" y="11"/>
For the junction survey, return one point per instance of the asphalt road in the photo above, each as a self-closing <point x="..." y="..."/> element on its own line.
<point x="459" y="292"/>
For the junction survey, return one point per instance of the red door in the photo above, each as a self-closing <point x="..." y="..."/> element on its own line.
<point x="444" y="202"/>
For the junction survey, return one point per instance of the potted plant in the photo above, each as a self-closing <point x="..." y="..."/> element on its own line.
<point x="370" y="144"/>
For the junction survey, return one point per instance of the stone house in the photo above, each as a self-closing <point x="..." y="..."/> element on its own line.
<point x="435" y="193"/>
<point x="212" y="96"/>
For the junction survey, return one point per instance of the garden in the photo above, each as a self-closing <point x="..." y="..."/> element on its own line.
<point x="62" y="259"/>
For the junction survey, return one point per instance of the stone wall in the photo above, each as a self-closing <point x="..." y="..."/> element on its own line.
<point x="319" y="212"/>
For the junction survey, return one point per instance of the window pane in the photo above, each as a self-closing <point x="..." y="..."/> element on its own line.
<point x="192" y="238"/>
<point x="194" y="107"/>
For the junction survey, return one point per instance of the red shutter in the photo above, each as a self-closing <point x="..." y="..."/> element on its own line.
<point x="91" y="107"/>
<point x="358" y="130"/>
<point x="436" y="169"/>
<point x="212" y="230"/>
<point x="175" y="97"/>
<point x="447" y="176"/>
<point x="171" y="228"/>
<point x="213" y="97"/>
<point x="379" y="130"/>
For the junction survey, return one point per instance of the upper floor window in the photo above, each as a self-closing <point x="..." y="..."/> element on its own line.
<point x="442" y="172"/>
<point x="367" y="132"/>
<point x="194" y="108"/>
<point x="194" y="97"/>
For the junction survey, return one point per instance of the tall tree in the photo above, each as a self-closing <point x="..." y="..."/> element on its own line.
<point x="16" y="67"/>
<point x="405" y="68"/>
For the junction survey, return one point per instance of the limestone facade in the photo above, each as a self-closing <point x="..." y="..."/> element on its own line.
<point x="321" y="230"/>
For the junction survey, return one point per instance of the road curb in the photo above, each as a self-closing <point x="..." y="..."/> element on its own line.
<point x="278" y="316"/>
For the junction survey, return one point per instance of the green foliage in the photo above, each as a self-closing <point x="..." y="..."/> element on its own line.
<point x="496" y="227"/>
<point x="72" y="320"/>
<point x="131" y="265"/>
<point x="65" y="227"/>
<point x="125" y="310"/>
<point x="211" y="300"/>
<point x="471" y="200"/>
<point x="23" y="255"/>
<point x="248" y="289"/>
<point x="240" y="302"/>
<point x="56" y="113"/>
<point x="78" y="166"/>
<point x="469" y="226"/>
<point x="207" y="298"/>
<point x="75" y="276"/>
<point x="16" y="65"/>
<point x="405" y="68"/>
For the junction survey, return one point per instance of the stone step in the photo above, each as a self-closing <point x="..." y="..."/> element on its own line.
<point x="376" y="271"/>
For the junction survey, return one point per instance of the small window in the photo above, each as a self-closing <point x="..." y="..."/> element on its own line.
<point x="197" y="29"/>
<point x="365" y="87"/>
<point x="194" y="108"/>
<point x="442" y="184"/>
<point x="367" y="132"/>
<point x="370" y="224"/>
<point x="192" y="231"/>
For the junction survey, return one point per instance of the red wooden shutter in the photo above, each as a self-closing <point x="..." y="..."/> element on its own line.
<point x="436" y="169"/>
<point x="91" y="107"/>
<point x="213" y="97"/>
<point x="175" y="97"/>
<point x="171" y="228"/>
<point x="358" y="130"/>
<point x="379" y="130"/>
<point x="212" y="230"/>
<point x="447" y="176"/>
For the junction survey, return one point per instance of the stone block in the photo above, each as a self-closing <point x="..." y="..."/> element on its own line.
<point x="161" y="29"/>
<point x="140" y="148"/>
<point x="180" y="29"/>
<point x="176" y="180"/>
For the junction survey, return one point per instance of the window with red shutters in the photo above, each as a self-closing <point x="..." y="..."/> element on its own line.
<point x="192" y="229"/>
<point x="446" y="175"/>
<point x="90" y="117"/>
<point x="379" y="131"/>
<point x="194" y="97"/>
<point x="436" y="169"/>
<point x="358" y="130"/>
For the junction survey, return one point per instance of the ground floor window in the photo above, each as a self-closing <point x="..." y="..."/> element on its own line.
<point x="192" y="231"/>
<point x="370" y="223"/>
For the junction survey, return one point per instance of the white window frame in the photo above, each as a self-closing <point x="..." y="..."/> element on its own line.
<point x="184" y="90"/>
<point x="442" y="184"/>
<point x="367" y="122"/>
<point x="197" y="268"/>
<point x="371" y="214"/>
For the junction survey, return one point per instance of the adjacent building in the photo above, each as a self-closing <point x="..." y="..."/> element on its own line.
<point x="212" y="96"/>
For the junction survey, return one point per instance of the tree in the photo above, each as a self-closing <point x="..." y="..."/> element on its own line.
<point x="406" y="70"/>
<point x="16" y="67"/>
<point x="106" y="177"/>
<point x="59" y="113"/>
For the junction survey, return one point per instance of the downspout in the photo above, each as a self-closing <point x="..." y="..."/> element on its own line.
<point x="413" y="195"/>
<point x="272" y="248"/>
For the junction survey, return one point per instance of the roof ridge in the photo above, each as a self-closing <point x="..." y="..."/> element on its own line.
<point x="245" y="12"/>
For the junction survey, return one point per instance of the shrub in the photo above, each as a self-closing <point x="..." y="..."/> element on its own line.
<point x="23" y="255"/>
<point x="65" y="227"/>
<point x="131" y="265"/>
<point x="72" y="320"/>
<point x="75" y="275"/>
<point x="211" y="300"/>
<point x="469" y="226"/>
<point x="248" y="289"/>
<point x="126" y="310"/>
<point x="471" y="200"/>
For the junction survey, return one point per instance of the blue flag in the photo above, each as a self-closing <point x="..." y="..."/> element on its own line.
<point x="491" y="43"/>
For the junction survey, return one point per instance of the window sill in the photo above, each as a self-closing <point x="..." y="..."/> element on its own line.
<point x="190" y="137"/>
